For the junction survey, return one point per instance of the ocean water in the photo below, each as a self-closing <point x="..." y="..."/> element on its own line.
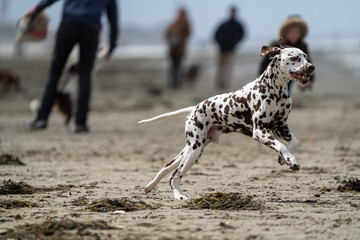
<point x="345" y="51"/>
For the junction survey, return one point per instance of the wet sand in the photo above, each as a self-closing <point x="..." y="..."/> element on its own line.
<point x="118" y="158"/>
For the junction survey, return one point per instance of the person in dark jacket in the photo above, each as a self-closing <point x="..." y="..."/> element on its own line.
<point x="227" y="36"/>
<point x="81" y="24"/>
<point x="292" y="32"/>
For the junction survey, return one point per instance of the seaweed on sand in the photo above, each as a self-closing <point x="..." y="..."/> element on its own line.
<point x="11" y="187"/>
<point x="9" y="204"/>
<point x="7" y="159"/>
<point x="353" y="184"/>
<point x="224" y="201"/>
<point x="63" y="229"/>
<point x="107" y="205"/>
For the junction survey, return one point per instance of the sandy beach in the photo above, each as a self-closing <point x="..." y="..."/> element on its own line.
<point x="68" y="173"/>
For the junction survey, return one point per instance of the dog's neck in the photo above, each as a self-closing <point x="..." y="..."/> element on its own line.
<point x="275" y="79"/>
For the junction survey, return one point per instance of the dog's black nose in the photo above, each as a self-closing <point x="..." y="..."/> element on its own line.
<point x="310" y="68"/>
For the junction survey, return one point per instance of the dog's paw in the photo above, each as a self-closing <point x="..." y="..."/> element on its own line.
<point x="281" y="160"/>
<point x="181" y="197"/>
<point x="295" y="167"/>
<point x="149" y="187"/>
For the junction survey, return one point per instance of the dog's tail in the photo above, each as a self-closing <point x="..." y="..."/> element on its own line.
<point x="168" y="115"/>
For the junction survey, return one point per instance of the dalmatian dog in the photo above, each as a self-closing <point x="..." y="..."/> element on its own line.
<point x="258" y="110"/>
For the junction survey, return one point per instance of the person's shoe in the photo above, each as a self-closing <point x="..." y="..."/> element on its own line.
<point x="81" y="129"/>
<point x="38" y="124"/>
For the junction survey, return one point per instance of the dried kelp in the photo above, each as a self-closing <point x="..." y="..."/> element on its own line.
<point x="9" y="204"/>
<point x="51" y="229"/>
<point x="224" y="201"/>
<point x="110" y="205"/>
<point x="353" y="184"/>
<point x="11" y="187"/>
<point x="7" y="159"/>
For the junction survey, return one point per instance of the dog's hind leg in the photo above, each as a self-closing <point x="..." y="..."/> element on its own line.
<point x="191" y="156"/>
<point x="164" y="171"/>
<point x="192" y="153"/>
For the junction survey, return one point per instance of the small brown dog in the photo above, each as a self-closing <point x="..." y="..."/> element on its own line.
<point x="65" y="96"/>
<point x="64" y="105"/>
<point x="191" y="74"/>
<point x="8" y="79"/>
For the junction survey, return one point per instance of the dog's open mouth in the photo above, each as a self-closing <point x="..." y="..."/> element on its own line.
<point x="301" y="77"/>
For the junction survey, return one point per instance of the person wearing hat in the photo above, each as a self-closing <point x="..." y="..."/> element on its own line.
<point x="292" y="32"/>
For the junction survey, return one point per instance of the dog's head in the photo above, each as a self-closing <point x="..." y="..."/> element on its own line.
<point x="291" y="61"/>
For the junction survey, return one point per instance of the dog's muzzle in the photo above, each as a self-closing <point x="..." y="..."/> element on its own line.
<point x="304" y="73"/>
<point x="310" y="69"/>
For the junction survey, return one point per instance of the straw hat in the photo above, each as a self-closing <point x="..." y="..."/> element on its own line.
<point x="293" y="21"/>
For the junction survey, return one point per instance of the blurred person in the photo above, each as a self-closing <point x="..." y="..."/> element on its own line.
<point x="292" y="32"/>
<point x="81" y="24"/>
<point x="176" y="35"/>
<point x="18" y="50"/>
<point x="227" y="36"/>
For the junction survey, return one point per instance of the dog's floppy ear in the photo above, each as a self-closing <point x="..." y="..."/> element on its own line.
<point x="269" y="50"/>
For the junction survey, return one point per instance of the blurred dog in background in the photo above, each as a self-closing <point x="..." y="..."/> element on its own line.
<point x="65" y="100"/>
<point x="191" y="74"/>
<point x="8" y="80"/>
<point x="65" y="96"/>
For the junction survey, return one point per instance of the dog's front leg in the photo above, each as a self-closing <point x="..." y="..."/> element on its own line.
<point x="263" y="136"/>
<point x="284" y="133"/>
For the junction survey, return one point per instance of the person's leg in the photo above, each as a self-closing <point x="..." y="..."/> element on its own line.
<point x="221" y="70"/>
<point x="88" y="49"/>
<point x="177" y="70"/>
<point x="174" y="71"/>
<point x="227" y="68"/>
<point x="171" y="71"/>
<point x="65" y="41"/>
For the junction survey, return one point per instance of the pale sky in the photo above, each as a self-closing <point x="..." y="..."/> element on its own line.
<point x="326" y="19"/>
